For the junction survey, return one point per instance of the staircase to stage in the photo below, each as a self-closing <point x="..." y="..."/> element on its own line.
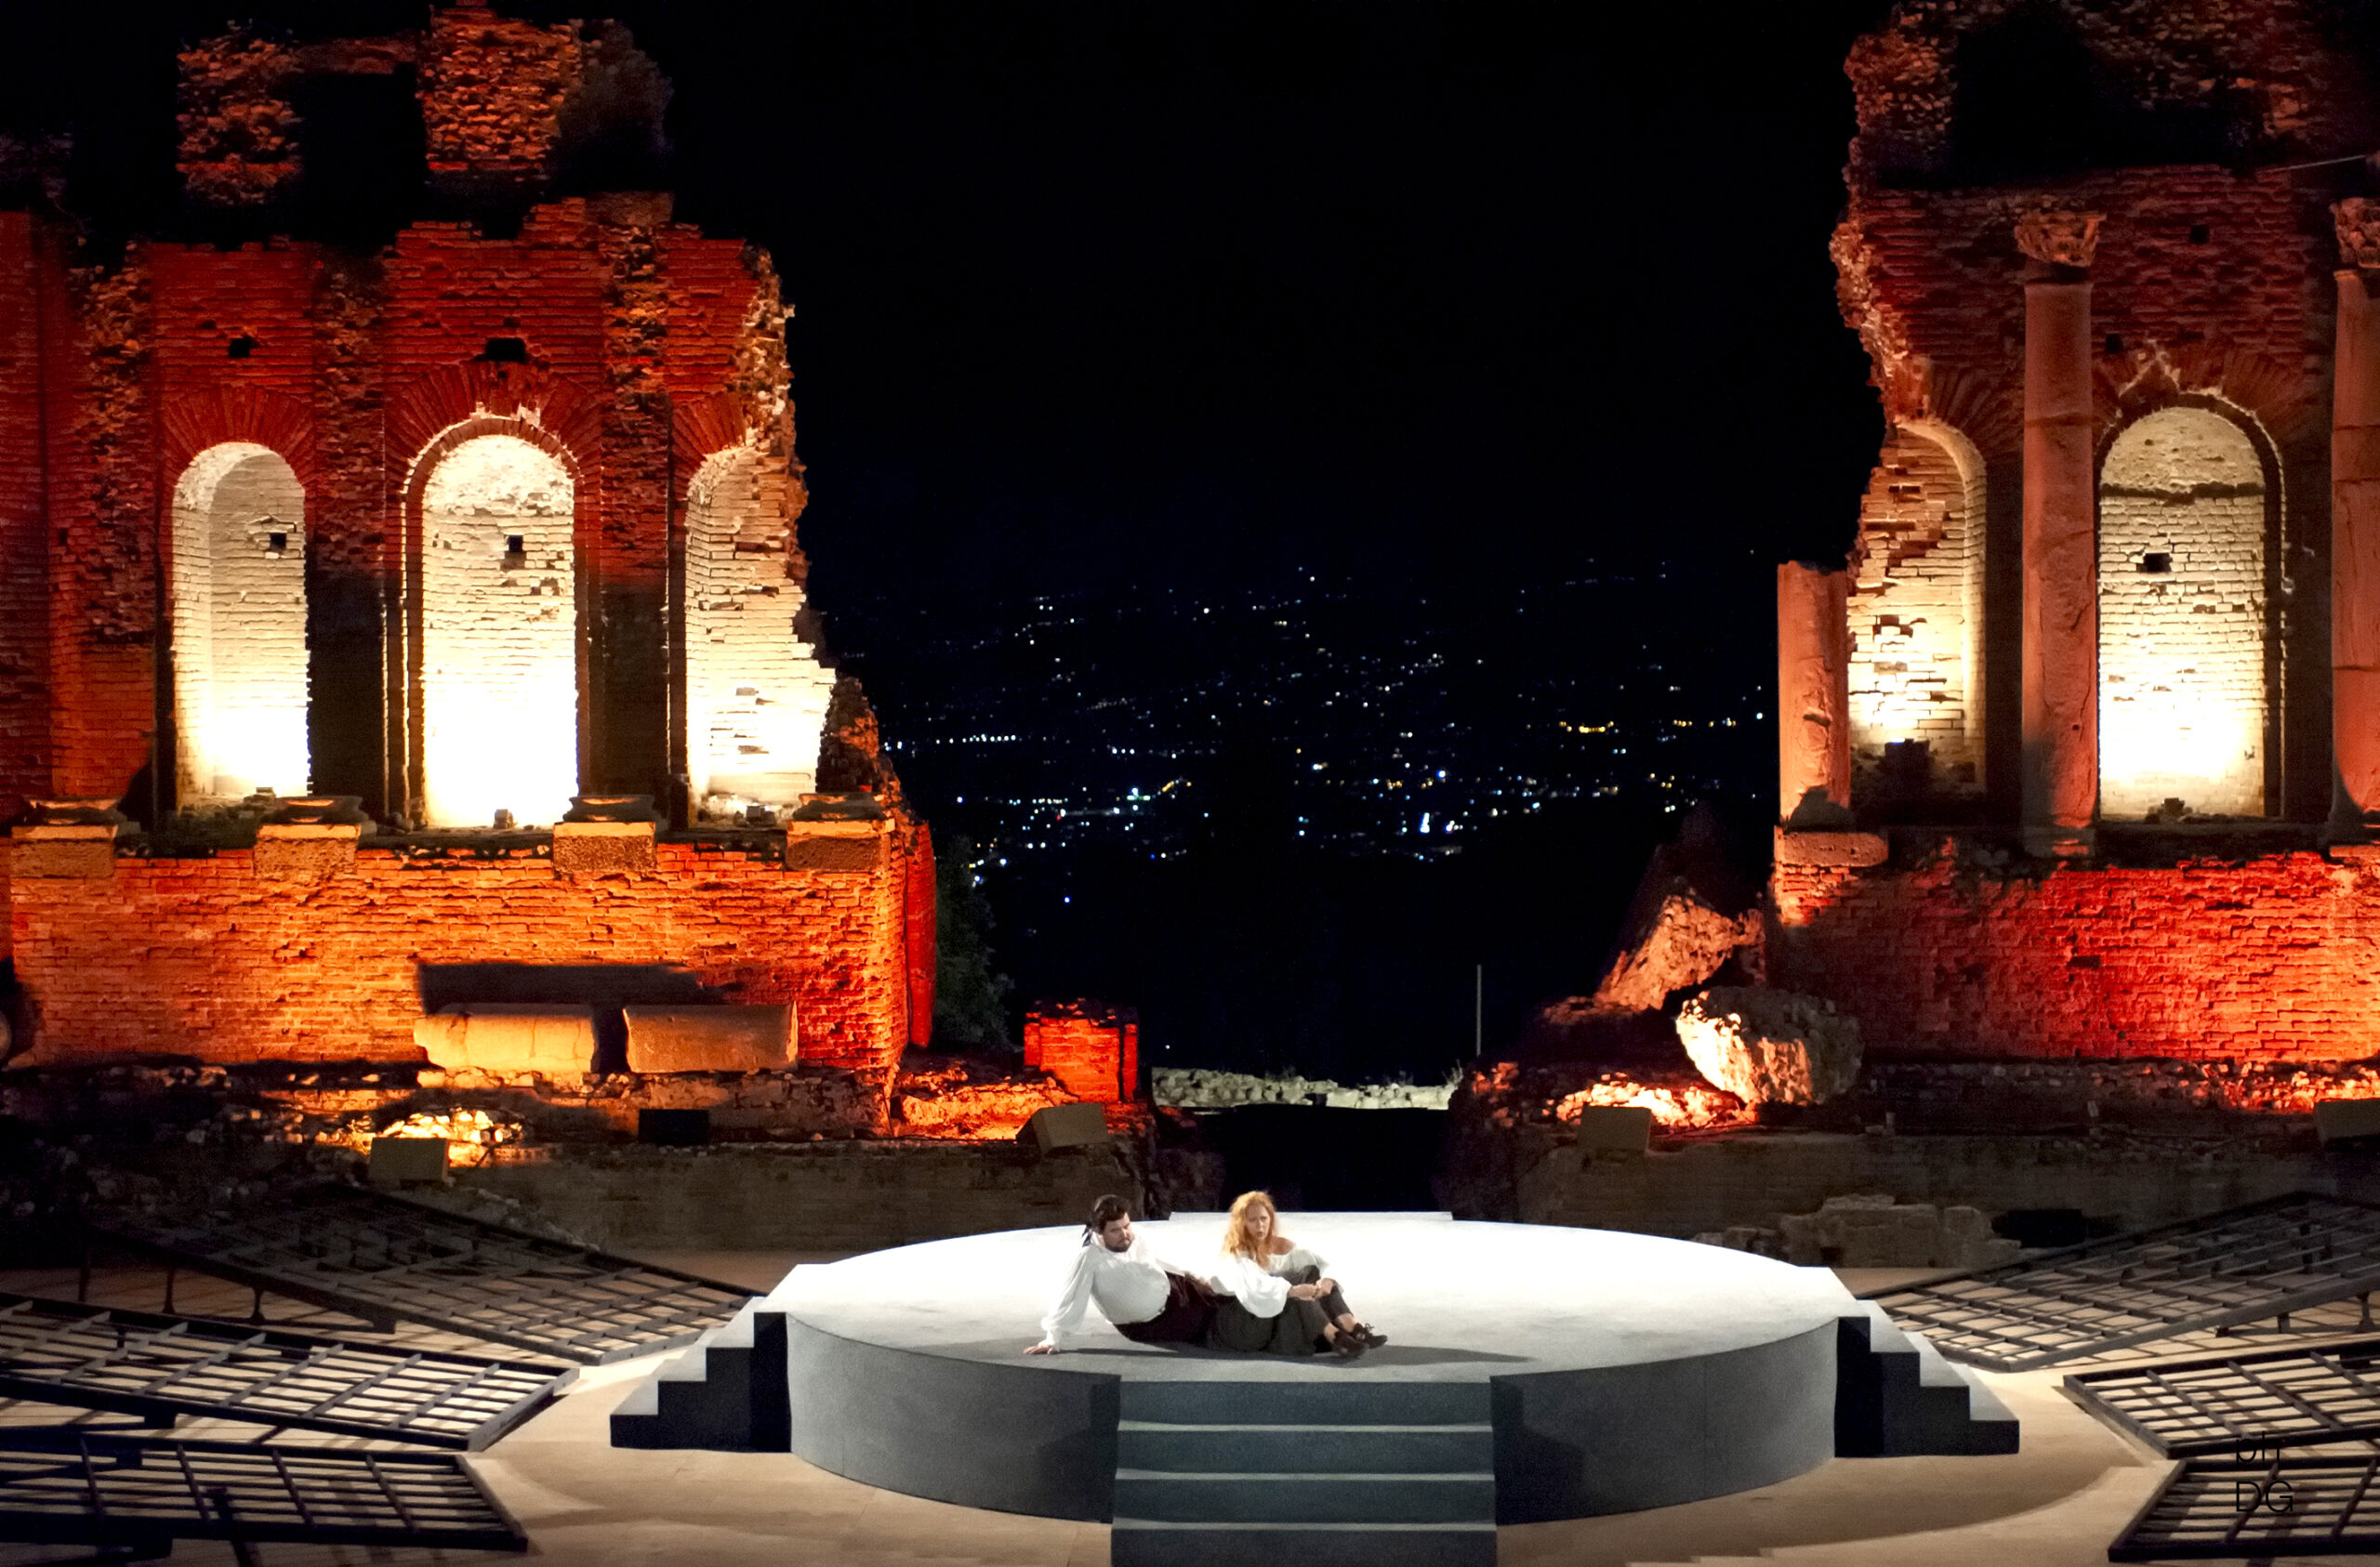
<point x="1382" y="1474"/>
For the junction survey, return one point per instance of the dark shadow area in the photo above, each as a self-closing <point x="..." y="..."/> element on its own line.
<point x="2032" y="103"/>
<point x="1313" y="1158"/>
<point x="361" y="137"/>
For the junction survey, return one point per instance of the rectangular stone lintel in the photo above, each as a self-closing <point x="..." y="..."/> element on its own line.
<point x="304" y="850"/>
<point x="80" y="851"/>
<point x="593" y="847"/>
<point x="1844" y="851"/>
<point x="847" y="845"/>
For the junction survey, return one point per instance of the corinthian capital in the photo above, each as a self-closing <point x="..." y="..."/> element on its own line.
<point x="2059" y="238"/>
<point x="2359" y="225"/>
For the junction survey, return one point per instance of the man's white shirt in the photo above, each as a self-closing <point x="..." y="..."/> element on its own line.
<point x="1126" y="1286"/>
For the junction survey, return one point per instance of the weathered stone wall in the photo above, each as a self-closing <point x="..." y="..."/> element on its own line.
<point x="1744" y="1178"/>
<point x="2183" y="651"/>
<point x="1955" y="949"/>
<point x="1916" y="605"/>
<point x="756" y="694"/>
<point x="198" y="957"/>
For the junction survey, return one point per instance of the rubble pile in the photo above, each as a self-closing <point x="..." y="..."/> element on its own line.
<point x="1771" y="1047"/>
<point x="1873" y="1230"/>
<point x="1198" y="1088"/>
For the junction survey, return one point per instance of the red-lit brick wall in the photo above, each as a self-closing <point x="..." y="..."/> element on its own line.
<point x="2274" y="958"/>
<point x="1093" y="1050"/>
<point x="196" y="956"/>
<point x="917" y="910"/>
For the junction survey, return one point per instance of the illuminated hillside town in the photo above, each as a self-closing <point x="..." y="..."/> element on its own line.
<point x="1339" y="855"/>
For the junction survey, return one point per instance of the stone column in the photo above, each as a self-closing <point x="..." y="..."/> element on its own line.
<point x="2355" y="520"/>
<point x="2062" y="566"/>
<point x="1813" y="696"/>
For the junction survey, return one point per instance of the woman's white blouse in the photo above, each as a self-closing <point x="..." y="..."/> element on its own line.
<point x="1296" y="1258"/>
<point x="1128" y="1286"/>
<point x="1245" y="1279"/>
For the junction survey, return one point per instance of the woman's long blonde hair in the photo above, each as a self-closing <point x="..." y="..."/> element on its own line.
<point x="1237" y="1241"/>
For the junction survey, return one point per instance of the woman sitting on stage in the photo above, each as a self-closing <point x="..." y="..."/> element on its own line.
<point x="1275" y="1299"/>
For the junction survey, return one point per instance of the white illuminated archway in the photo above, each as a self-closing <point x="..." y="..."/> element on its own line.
<point x="499" y="649"/>
<point x="756" y="694"/>
<point x="239" y="626"/>
<point x="2183" y="710"/>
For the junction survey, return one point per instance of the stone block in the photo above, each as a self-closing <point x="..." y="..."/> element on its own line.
<point x="305" y="852"/>
<point x="510" y="1037"/>
<point x="1625" y="1127"/>
<point x="2335" y="1119"/>
<point x="67" y="840"/>
<point x="64" y="853"/>
<point x="1966" y="1237"/>
<point x="596" y="848"/>
<point x="834" y="852"/>
<point x="408" y="1161"/>
<point x="1771" y="1047"/>
<point x="1066" y="1125"/>
<point x="709" y="1038"/>
<point x="1842" y="851"/>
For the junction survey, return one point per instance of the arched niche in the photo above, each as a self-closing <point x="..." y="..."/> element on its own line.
<point x="499" y="634"/>
<point x="756" y="694"/>
<point x="1916" y="623"/>
<point x="2185" y="633"/>
<point x="239" y="626"/>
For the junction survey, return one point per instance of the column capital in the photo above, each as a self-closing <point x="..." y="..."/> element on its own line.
<point x="2358" y="230"/>
<point x="2058" y="237"/>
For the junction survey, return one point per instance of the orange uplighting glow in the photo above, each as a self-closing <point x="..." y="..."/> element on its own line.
<point x="1674" y="1105"/>
<point x="473" y="1136"/>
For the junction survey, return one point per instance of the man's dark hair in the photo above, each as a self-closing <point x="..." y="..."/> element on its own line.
<point x="1104" y="1212"/>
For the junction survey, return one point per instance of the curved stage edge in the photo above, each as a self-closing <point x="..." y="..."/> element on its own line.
<point x="1622" y="1370"/>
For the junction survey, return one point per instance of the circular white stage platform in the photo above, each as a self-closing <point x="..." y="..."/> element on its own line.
<point x="1621" y="1370"/>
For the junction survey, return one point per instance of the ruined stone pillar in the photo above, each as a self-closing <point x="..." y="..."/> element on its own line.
<point x="1813" y="696"/>
<point x="2062" y="566"/>
<point x="2355" y="520"/>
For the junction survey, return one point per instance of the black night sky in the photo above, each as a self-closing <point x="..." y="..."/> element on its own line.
<point x="1437" y="298"/>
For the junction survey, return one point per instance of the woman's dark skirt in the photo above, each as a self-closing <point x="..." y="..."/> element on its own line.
<point x="1296" y="1331"/>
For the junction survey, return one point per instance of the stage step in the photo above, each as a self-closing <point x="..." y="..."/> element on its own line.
<point x="1896" y="1397"/>
<point x="1149" y="1542"/>
<point x="727" y="1391"/>
<point x="1161" y="1445"/>
<point x="1401" y="1474"/>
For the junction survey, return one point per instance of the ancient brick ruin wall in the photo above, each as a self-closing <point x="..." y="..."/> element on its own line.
<point x="1916" y="619"/>
<point x="622" y="351"/>
<point x="2184" y="658"/>
<point x="2209" y="289"/>
<point x="25" y="758"/>
<point x="352" y="373"/>
<point x="1092" y="1049"/>
<point x="493" y="89"/>
<point x="1946" y="953"/>
<point x="200" y="958"/>
<point x="2274" y="68"/>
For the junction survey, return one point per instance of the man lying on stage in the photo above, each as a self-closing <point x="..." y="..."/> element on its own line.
<point x="1147" y="1301"/>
